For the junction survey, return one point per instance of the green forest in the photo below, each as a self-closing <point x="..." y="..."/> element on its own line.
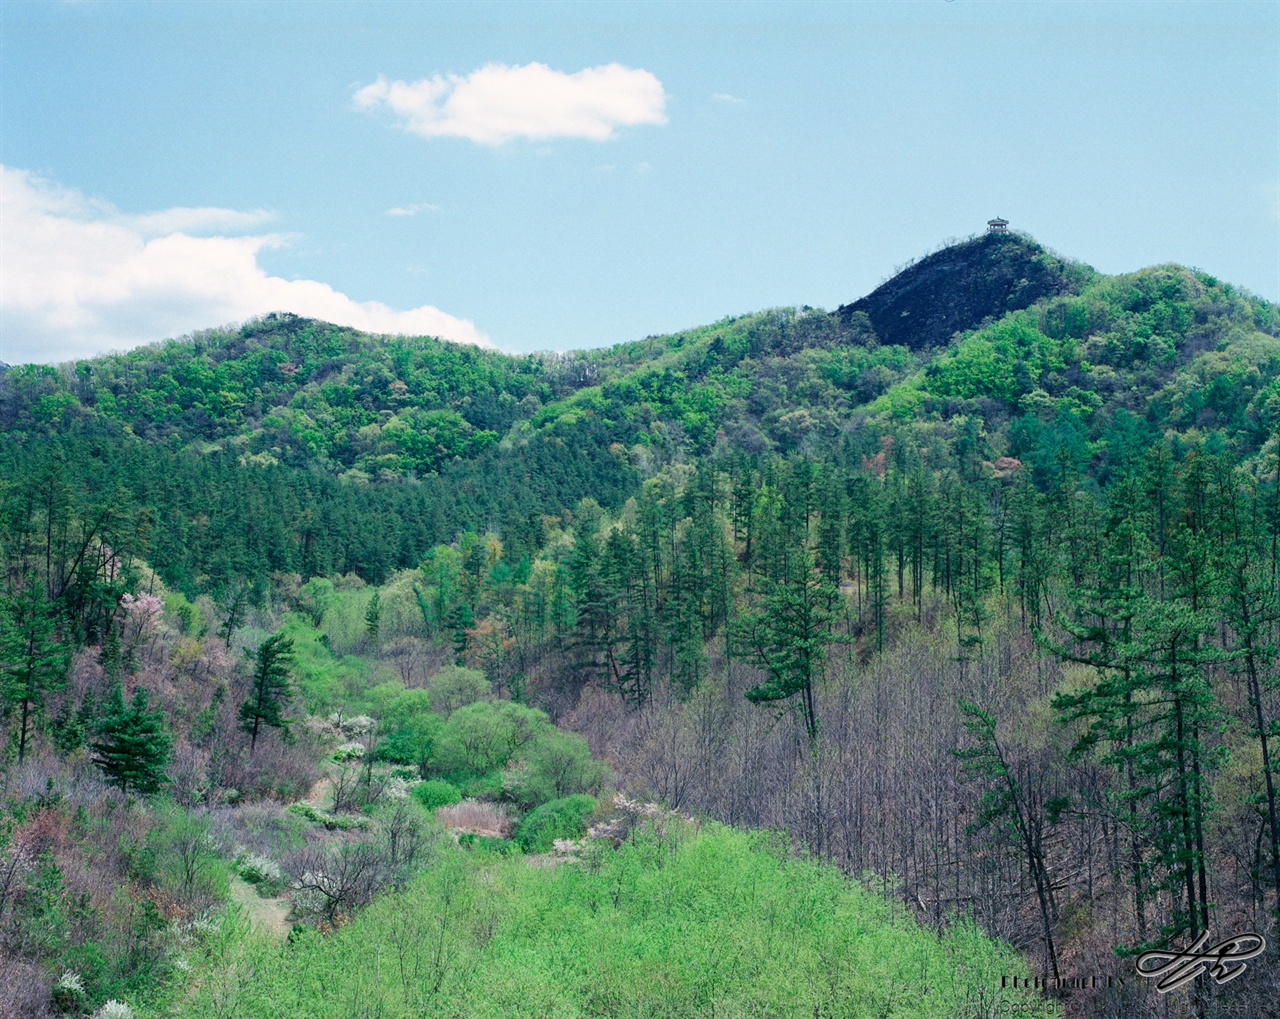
<point x="871" y="662"/>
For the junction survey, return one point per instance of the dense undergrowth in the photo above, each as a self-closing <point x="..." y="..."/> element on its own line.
<point x="678" y="920"/>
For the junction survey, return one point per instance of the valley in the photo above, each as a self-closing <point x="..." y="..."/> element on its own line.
<point x="805" y="663"/>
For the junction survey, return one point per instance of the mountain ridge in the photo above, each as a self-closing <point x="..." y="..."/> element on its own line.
<point x="489" y="438"/>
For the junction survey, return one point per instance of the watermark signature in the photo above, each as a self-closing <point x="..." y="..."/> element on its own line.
<point x="1086" y="983"/>
<point x="1224" y="961"/>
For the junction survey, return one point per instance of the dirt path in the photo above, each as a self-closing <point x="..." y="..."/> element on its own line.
<point x="321" y="791"/>
<point x="265" y="914"/>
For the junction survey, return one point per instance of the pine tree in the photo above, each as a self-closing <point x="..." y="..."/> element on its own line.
<point x="33" y="660"/>
<point x="1100" y="618"/>
<point x="866" y="537"/>
<point x="968" y="567"/>
<point x="1252" y="613"/>
<point x="132" y="747"/>
<point x="1182" y="715"/>
<point x="787" y="632"/>
<point x="1026" y="533"/>
<point x="237" y="606"/>
<point x="463" y="619"/>
<point x="68" y="731"/>
<point x="271" y="688"/>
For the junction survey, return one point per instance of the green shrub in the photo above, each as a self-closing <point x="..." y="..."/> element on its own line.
<point x="326" y="681"/>
<point x="436" y="793"/>
<point x="343" y="621"/>
<point x="490" y="786"/>
<point x="486" y="736"/>
<point x="488" y="844"/>
<point x="454" y="687"/>
<point x="308" y="813"/>
<point x="350" y="751"/>
<point x="340" y="822"/>
<point x="560" y="819"/>
<point x="399" y="708"/>
<point x="258" y="869"/>
<point x="68" y="994"/>
<point x="183" y="615"/>
<point x="557" y="764"/>
<point x="346" y="822"/>
<point x="412" y="742"/>
<point x="315" y="597"/>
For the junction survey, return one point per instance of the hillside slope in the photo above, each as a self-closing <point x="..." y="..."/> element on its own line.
<point x="961" y="286"/>
<point x="952" y="612"/>
<point x="414" y="439"/>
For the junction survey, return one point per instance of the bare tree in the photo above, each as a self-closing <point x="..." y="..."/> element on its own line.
<point x="341" y="877"/>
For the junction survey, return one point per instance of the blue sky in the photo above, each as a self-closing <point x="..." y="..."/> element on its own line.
<point x="403" y="167"/>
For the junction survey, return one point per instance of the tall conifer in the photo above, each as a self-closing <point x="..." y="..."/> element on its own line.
<point x="272" y="688"/>
<point x="133" y="743"/>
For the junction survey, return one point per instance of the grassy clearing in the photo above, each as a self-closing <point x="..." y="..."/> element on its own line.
<point x="268" y="915"/>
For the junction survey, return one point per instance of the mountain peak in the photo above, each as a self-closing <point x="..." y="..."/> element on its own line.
<point x="956" y="288"/>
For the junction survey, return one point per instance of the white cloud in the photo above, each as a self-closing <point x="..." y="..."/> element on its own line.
<point x="185" y="220"/>
<point x="725" y="97"/>
<point x="498" y="103"/>
<point x="78" y="278"/>
<point x="413" y="210"/>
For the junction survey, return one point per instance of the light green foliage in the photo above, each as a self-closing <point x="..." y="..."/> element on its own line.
<point x="485" y="736"/>
<point x="494" y="844"/>
<point x="557" y="764"/>
<point x="308" y="813"/>
<point x="436" y="793"/>
<point x="427" y="440"/>
<point x="181" y="614"/>
<point x="481" y="739"/>
<point x="333" y="822"/>
<point x="411" y="744"/>
<point x="315" y="597"/>
<point x="454" y="687"/>
<point x="412" y="730"/>
<point x="399" y="614"/>
<point x="900" y="402"/>
<point x="344" y="622"/>
<point x="373" y="618"/>
<point x="317" y="390"/>
<point x="489" y="786"/>
<point x="559" y="819"/>
<point x="441" y="589"/>
<point x="188" y="854"/>
<point x="1234" y="386"/>
<point x="398" y="708"/>
<point x="1003" y="361"/>
<point x="714" y="922"/>
<point x="325" y="681"/>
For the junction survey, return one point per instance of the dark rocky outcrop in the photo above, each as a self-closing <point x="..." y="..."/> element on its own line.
<point x="958" y="287"/>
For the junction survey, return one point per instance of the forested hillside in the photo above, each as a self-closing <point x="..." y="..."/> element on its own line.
<point x="969" y="589"/>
